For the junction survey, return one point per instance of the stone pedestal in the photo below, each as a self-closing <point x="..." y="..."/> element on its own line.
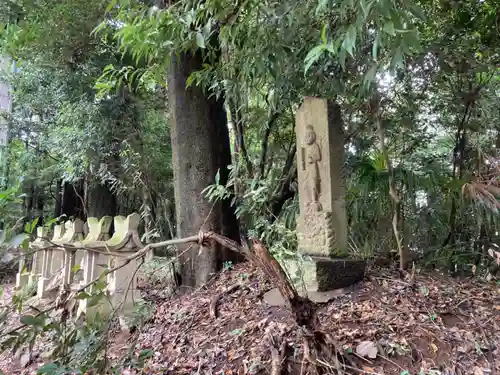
<point x="322" y="224"/>
<point x="41" y="244"/>
<point x="320" y="278"/>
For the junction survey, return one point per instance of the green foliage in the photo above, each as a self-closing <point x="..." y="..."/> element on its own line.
<point x="89" y="106"/>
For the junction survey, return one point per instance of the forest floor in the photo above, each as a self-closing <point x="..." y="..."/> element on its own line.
<point x="439" y="325"/>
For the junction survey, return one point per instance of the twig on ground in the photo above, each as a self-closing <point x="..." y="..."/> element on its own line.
<point x="215" y="299"/>
<point x="391" y="361"/>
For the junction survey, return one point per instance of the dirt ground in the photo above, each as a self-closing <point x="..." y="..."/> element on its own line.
<point x="440" y="325"/>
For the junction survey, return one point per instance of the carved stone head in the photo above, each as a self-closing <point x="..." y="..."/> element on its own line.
<point x="310" y="135"/>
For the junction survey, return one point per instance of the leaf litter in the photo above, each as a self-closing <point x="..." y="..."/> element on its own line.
<point x="435" y="326"/>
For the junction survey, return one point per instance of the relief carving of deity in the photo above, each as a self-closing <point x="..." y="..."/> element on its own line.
<point x="312" y="158"/>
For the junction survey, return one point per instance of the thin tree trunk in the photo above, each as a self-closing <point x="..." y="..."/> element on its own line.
<point x="264" y="145"/>
<point x="241" y="149"/>
<point x="393" y="192"/>
<point x="58" y="200"/>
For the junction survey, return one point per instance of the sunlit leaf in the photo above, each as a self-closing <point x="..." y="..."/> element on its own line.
<point x="47" y="369"/>
<point x="29" y="320"/>
<point x="313" y="56"/>
<point x="200" y="40"/>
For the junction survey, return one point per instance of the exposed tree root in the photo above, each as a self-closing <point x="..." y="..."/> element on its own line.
<point x="278" y="352"/>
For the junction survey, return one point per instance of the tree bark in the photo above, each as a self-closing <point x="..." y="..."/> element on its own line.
<point x="101" y="201"/>
<point x="201" y="149"/>
<point x="57" y="198"/>
<point x="394" y="194"/>
<point x="72" y="202"/>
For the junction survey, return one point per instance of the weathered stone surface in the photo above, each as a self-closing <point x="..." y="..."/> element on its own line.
<point x="322" y="224"/>
<point x="337" y="273"/>
<point x="316" y="275"/>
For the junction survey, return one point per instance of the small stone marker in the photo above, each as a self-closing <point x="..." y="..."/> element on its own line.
<point x="322" y="224"/>
<point x="39" y="243"/>
<point x="98" y="233"/>
<point x="74" y="233"/>
<point x="48" y="259"/>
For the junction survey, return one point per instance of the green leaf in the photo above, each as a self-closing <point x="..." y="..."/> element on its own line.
<point x="322" y="4"/>
<point x="417" y="12"/>
<point x="349" y="42"/>
<point x="389" y="28"/>
<point x="342" y="58"/>
<point x="370" y="75"/>
<point x="366" y="7"/>
<point x="398" y="59"/>
<point x="29" y="320"/>
<point x="76" y="268"/>
<point x="101" y="284"/>
<point x="323" y="33"/>
<point x="190" y="79"/>
<point x="95" y="300"/>
<point x="330" y="47"/>
<point x="108" y="68"/>
<point x="200" y="40"/>
<point x="375" y="46"/>
<point x="313" y="56"/>
<point x="48" y="368"/>
<point x="146" y="353"/>
<point x="111" y="5"/>
<point x="82" y="295"/>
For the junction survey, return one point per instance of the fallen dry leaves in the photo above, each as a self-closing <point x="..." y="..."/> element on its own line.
<point x="438" y="326"/>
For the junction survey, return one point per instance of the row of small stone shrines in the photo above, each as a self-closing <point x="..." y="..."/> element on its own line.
<point x="51" y="259"/>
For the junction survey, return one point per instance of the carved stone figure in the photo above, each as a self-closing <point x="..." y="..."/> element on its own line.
<point x="312" y="175"/>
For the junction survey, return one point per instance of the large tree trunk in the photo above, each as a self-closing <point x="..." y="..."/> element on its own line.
<point x="72" y="201"/>
<point x="58" y="199"/>
<point x="200" y="147"/>
<point x="101" y="201"/>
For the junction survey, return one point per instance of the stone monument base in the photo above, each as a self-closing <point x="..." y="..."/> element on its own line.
<point x="319" y="278"/>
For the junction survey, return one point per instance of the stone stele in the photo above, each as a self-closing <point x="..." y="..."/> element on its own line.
<point x="322" y="224"/>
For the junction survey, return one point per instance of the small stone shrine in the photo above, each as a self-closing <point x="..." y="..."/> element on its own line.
<point x="322" y="224"/>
